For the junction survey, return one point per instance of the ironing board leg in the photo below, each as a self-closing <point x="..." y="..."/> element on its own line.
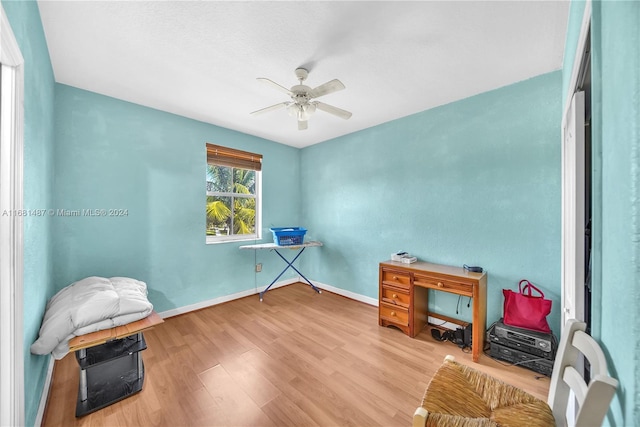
<point x="289" y="265"/>
<point x="307" y="280"/>
<point x="281" y="273"/>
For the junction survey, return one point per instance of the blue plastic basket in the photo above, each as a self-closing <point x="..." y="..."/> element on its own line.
<point x="288" y="236"/>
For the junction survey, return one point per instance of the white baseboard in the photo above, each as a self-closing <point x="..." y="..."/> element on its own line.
<point x="345" y="293"/>
<point x="45" y="393"/>
<point x="249" y="292"/>
<point x="225" y="298"/>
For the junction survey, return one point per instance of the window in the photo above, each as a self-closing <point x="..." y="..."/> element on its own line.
<point x="233" y="208"/>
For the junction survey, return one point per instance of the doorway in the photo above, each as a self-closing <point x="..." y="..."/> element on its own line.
<point x="577" y="206"/>
<point x="584" y="85"/>
<point x="11" y="227"/>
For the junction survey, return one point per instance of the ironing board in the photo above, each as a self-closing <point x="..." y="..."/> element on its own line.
<point x="276" y="249"/>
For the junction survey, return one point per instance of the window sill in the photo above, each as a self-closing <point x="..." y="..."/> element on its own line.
<point x="214" y="240"/>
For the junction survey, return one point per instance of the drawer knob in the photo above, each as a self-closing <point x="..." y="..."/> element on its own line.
<point x="393" y="313"/>
<point x="394" y="296"/>
<point x="395" y="277"/>
<point x="440" y="284"/>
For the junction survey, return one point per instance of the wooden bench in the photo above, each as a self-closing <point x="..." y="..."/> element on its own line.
<point x="111" y="366"/>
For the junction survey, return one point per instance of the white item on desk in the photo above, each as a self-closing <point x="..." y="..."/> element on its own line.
<point x="398" y="256"/>
<point x="403" y="257"/>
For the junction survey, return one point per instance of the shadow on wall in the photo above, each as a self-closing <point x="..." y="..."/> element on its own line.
<point x="158" y="299"/>
<point x="620" y="391"/>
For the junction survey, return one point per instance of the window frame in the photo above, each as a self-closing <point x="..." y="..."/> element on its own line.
<point x="252" y="162"/>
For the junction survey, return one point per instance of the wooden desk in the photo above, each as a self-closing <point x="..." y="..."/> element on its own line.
<point x="110" y="363"/>
<point x="404" y="296"/>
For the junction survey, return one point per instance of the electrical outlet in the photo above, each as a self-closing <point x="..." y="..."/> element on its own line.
<point x="258" y="268"/>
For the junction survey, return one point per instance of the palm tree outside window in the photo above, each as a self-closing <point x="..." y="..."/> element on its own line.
<point x="233" y="195"/>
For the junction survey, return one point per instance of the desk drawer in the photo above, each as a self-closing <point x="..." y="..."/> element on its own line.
<point x="393" y="278"/>
<point x="394" y="313"/>
<point x="395" y="296"/>
<point x="443" y="284"/>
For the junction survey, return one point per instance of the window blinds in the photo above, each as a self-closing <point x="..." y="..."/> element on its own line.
<point x="231" y="157"/>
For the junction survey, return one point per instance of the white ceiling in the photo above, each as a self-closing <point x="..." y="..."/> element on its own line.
<point x="201" y="59"/>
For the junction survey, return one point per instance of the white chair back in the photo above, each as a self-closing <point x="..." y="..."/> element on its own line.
<point x="593" y="398"/>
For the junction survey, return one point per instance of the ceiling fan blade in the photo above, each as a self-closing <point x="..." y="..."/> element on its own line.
<point x="302" y="124"/>
<point x="271" y="108"/>
<point x="276" y="85"/>
<point x="329" y="87"/>
<point x="343" y="114"/>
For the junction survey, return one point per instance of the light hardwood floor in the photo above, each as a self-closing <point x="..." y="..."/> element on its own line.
<point x="296" y="359"/>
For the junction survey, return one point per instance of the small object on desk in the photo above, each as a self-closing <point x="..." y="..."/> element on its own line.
<point x="403" y="257"/>
<point x="274" y="247"/>
<point x="398" y="256"/>
<point x="473" y="269"/>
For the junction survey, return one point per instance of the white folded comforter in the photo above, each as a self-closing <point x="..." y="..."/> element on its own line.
<point x="90" y="305"/>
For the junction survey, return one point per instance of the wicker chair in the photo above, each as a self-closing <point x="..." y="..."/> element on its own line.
<point x="460" y="396"/>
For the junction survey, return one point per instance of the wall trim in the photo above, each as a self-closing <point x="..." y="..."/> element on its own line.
<point x="226" y="298"/>
<point x="348" y="294"/>
<point x="45" y="393"/>
<point x="222" y="299"/>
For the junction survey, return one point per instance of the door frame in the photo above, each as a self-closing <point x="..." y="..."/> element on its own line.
<point x="573" y="210"/>
<point x="11" y="227"/>
<point x="569" y="267"/>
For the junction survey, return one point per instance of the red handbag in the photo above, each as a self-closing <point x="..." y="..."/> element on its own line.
<point x="523" y="310"/>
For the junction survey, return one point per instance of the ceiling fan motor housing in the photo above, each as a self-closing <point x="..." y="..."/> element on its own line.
<point x="300" y="94"/>
<point x="302" y="74"/>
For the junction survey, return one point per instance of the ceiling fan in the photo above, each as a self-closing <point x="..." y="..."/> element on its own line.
<point x="303" y="104"/>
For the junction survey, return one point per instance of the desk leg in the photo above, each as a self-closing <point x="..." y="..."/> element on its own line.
<point x="479" y="321"/>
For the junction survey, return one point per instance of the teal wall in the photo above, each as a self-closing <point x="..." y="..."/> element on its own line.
<point x="476" y="181"/>
<point x="24" y="18"/>
<point x="111" y="154"/>
<point x="616" y="150"/>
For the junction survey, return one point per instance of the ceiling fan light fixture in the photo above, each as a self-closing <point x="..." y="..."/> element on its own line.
<point x="303" y="115"/>
<point x="301" y="112"/>
<point x="309" y="108"/>
<point x="303" y="103"/>
<point x="293" y="110"/>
